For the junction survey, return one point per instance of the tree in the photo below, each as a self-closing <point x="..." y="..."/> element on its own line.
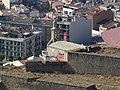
<point x="17" y="58"/>
<point x="10" y="58"/>
<point x="1" y="56"/>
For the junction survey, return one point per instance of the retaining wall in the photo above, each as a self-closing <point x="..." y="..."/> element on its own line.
<point x="80" y="63"/>
<point x="94" y="63"/>
<point x="18" y="83"/>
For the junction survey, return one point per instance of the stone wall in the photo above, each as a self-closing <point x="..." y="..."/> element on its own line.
<point x="18" y="83"/>
<point x="94" y="63"/>
<point x="49" y="67"/>
<point x="80" y="63"/>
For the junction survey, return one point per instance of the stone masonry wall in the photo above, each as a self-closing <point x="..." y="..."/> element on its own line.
<point x="80" y="63"/>
<point x="94" y="63"/>
<point x="18" y="83"/>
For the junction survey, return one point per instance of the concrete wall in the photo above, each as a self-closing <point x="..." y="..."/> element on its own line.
<point x="80" y="63"/>
<point x="18" y="83"/>
<point x="80" y="31"/>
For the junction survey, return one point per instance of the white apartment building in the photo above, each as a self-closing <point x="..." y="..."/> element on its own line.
<point x="23" y="45"/>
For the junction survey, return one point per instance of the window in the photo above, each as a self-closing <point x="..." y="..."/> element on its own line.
<point x="15" y="48"/>
<point x="66" y="12"/>
<point x="15" y="53"/>
<point x="11" y="42"/>
<point x="18" y="49"/>
<point x="15" y="43"/>
<point x="63" y="26"/>
<point x="10" y="47"/>
<point x="69" y="20"/>
<point x="18" y="43"/>
<point x="11" y="53"/>
<point x="22" y="44"/>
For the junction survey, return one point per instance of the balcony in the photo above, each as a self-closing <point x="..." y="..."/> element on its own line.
<point x="64" y="29"/>
<point x="65" y="23"/>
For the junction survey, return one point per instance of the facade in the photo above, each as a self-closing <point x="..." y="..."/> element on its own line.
<point x="7" y="3"/>
<point x="35" y="25"/>
<point x="116" y="11"/>
<point x="35" y="13"/>
<point x="107" y="26"/>
<point x="114" y="7"/>
<point x="61" y="48"/>
<point x="66" y="1"/>
<point x="80" y="31"/>
<point x="99" y="17"/>
<point x="21" y="9"/>
<point x="74" y="29"/>
<point x="8" y="13"/>
<point x="69" y="10"/>
<point x="20" y="44"/>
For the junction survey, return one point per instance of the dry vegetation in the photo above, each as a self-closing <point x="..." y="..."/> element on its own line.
<point x="106" y="50"/>
<point x="102" y="82"/>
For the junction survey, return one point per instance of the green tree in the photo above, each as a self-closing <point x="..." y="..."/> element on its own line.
<point x="1" y="56"/>
<point x="17" y="58"/>
<point x="10" y="58"/>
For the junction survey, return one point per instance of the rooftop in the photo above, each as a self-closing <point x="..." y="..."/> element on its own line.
<point x="58" y="3"/>
<point x="67" y="46"/>
<point x="109" y="25"/>
<point x="112" y="37"/>
<point x="9" y="12"/>
<point x="28" y="21"/>
<point x="107" y="4"/>
<point x="16" y="33"/>
<point x="94" y="11"/>
<point x="81" y="10"/>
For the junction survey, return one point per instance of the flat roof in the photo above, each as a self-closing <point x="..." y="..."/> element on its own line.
<point x="67" y="46"/>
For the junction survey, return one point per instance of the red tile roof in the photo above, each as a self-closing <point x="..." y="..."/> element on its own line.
<point x="112" y="37"/>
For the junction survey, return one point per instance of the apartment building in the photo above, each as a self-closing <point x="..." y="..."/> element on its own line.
<point x="22" y="43"/>
<point x="99" y="17"/>
<point x="42" y="25"/>
<point x="114" y="7"/>
<point x="74" y="29"/>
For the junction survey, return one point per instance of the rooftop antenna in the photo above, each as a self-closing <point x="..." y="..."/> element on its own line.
<point x="52" y="34"/>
